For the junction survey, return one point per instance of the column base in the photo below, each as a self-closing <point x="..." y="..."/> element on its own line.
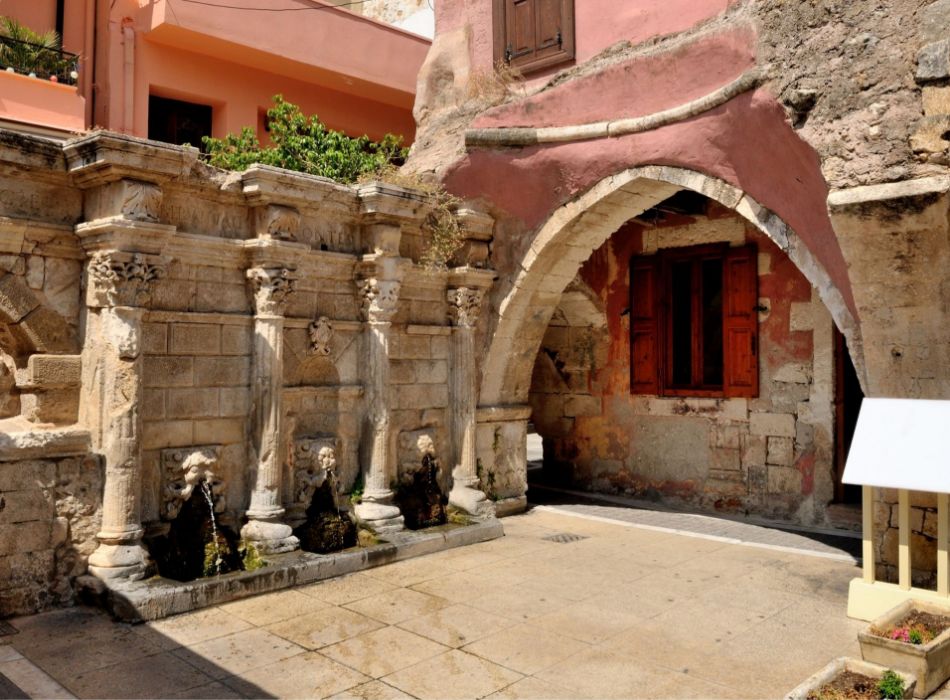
<point x="472" y="501"/>
<point x="379" y="517"/>
<point x="269" y="536"/>
<point x="118" y="561"/>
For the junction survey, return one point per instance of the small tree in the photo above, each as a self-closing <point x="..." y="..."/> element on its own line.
<point x="306" y="145"/>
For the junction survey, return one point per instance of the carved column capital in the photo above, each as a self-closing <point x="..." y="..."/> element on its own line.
<point x="271" y="288"/>
<point x="122" y="279"/>
<point x="464" y="306"/>
<point x="379" y="299"/>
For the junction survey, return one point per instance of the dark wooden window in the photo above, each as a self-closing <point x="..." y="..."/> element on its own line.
<point x="694" y="323"/>
<point x="177" y="121"/>
<point x="534" y="34"/>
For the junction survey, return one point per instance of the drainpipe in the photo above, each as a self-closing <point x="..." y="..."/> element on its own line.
<point x="88" y="60"/>
<point x="128" y="76"/>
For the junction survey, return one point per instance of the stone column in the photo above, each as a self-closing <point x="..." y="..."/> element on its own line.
<point x="118" y="287"/>
<point x="464" y="304"/>
<point x="271" y="288"/>
<point x="376" y="510"/>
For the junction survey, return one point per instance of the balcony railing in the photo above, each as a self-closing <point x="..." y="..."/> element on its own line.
<point x="39" y="61"/>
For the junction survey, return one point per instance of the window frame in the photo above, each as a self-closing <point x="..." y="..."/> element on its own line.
<point x="651" y="330"/>
<point x="500" y="30"/>
<point x="695" y="255"/>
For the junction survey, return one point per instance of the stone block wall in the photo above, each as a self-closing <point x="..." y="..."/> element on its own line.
<point x="220" y="327"/>
<point x="196" y="391"/>
<point x="771" y="455"/>
<point x="49" y="515"/>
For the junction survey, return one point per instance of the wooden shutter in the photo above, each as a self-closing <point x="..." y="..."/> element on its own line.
<point x="644" y="325"/>
<point x="534" y="34"/>
<point x="741" y="323"/>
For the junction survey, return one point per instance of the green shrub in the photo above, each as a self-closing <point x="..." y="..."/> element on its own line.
<point x="306" y="145"/>
<point x="891" y="686"/>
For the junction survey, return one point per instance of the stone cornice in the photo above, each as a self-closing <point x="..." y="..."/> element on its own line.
<point x="265" y="184"/>
<point x="102" y="157"/>
<point x="471" y="277"/>
<point x="118" y="233"/>
<point x="56" y="240"/>
<point x="380" y="202"/>
<point x="476" y="225"/>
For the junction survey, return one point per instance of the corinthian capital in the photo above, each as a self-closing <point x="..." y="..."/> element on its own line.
<point x="122" y="279"/>
<point x="271" y="288"/>
<point x="379" y="298"/>
<point x="464" y="305"/>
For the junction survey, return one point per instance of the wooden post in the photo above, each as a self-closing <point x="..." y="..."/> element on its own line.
<point x="943" y="554"/>
<point x="867" y="504"/>
<point x="903" y="548"/>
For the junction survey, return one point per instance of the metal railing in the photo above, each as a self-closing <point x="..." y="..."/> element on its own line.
<point x="39" y="61"/>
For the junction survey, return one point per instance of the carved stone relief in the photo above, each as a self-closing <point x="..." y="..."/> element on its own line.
<point x="185" y="469"/>
<point x="279" y="222"/>
<point x="141" y="201"/>
<point x="321" y="336"/>
<point x="123" y="279"/>
<point x="314" y="462"/>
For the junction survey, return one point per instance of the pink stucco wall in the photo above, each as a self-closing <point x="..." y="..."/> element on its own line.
<point x="357" y="74"/>
<point x="747" y="142"/>
<point x="635" y="87"/>
<point x="598" y="23"/>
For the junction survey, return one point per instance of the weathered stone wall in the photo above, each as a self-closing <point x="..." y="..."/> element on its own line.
<point x="49" y="515"/>
<point x="195" y="325"/>
<point x="771" y="455"/>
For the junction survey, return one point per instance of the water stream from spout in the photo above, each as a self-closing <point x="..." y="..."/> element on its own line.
<point x="206" y="490"/>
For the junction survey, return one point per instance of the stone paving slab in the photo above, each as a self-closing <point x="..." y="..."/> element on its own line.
<point x="613" y="611"/>
<point x="844" y="545"/>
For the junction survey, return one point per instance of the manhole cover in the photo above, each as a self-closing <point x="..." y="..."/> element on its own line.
<point x="7" y="629"/>
<point x="564" y="537"/>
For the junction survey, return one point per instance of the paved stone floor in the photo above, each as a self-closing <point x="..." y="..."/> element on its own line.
<point x="562" y="607"/>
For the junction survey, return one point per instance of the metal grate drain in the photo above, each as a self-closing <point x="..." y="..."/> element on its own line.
<point x="564" y="537"/>
<point x="6" y="629"/>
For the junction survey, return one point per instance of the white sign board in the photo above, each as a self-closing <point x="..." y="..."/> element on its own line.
<point x="901" y="444"/>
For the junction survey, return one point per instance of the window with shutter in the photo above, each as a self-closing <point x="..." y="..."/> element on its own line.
<point x="694" y="323"/>
<point x="534" y="34"/>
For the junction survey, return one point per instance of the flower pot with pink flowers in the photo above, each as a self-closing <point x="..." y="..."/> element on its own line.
<point x="913" y="637"/>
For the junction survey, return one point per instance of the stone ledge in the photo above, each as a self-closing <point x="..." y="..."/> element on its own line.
<point x="155" y="598"/>
<point x="42" y="444"/>
<point x="922" y="187"/>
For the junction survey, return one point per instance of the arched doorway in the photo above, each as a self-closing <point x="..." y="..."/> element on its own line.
<point x="566" y="242"/>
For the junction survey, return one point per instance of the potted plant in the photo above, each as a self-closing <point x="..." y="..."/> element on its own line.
<point x="913" y="637"/>
<point x="852" y="679"/>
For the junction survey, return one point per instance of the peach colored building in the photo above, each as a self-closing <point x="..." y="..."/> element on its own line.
<point x="177" y="69"/>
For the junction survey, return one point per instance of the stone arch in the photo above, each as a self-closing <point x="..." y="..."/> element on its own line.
<point x="30" y="326"/>
<point x="571" y="234"/>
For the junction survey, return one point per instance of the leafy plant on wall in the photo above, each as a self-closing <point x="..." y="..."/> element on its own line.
<point x="305" y="144"/>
